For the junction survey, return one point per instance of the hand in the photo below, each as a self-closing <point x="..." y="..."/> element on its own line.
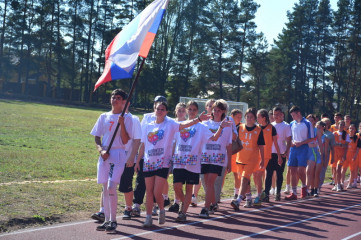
<point x="121" y="119"/>
<point x="204" y="117"/>
<point x="261" y="164"/>
<point x="280" y="160"/>
<point x="226" y="123"/>
<point x="129" y="162"/>
<point x="104" y="155"/>
<point x="298" y="144"/>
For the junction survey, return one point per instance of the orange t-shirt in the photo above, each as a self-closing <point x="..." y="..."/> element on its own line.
<point x="333" y="128"/>
<point x="339" y="151"/>
<point x="249" y="153"/>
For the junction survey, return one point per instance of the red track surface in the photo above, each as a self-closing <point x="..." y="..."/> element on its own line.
<point x="332" y="215"/>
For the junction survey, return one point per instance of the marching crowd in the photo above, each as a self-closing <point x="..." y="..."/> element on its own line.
<point x="201" y="148"/>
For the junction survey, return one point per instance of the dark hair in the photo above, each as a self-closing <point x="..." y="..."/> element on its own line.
<point x="343" y="132"/>
<point x="120" y="92"/>
<point x="234" y="112"/>
<point x="295" y="109"/>
<point x="252" y="111"/>
<point x="338" y="114"/>
<point x="311" y="116"/>
<point x="264" y="113"/>
<point x="162" y="103"/>
<point x="324" y="115"/>
<point x="354" y="138"/>
<point x="277" y="109"/>
<point x="191" y="102"/>
<point x="270" y="112"/>
<point x="221" y="104"/>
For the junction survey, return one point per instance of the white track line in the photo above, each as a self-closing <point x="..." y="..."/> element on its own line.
<point x="224" y="216"/>
<point x="352" y="236"/>
<point x="301" y="221"/>
<point x="55" y="181"/>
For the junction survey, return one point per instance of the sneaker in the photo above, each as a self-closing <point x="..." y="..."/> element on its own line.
<point x="135" y="211"/>
<point x="155" y="211"/>
<point x="349" y="187"/>
<point x="127" y="215"/>
<point x="278" y="197"/>
<point x="99" y="216"/>
<point x="341" y="186"/>
<point x="332" y="183"/>
<point x="354" y="185"/>
<point x="291" y="197"/>
<point x="248" y="203"/>
<point x="304" y="192"/>
<point x="103" y="226"/>
<point x="338" y="188"/>
<point x="161" y="217"/>
<point x="315" y="193"/>
<point x="166" y="202"/>
<point x="334" y="188"/>
<point x="182" y="217"/>
<point x="204" y="213"/>
<point x="112" y="226"/>
<point x="194" y="201"/>
<point x="213" y="208"/>
<point x="235" y="196"/>
<point x="148" y="221"/>
<point x="174" y="208"/>
<point x="235" y="204"/>
<point x="257" y="202"/>
<point x="272" y="191"/>
<point x="358" y="179"/>
<point x="287" y="190"/>
<point x="265" y="199"/>
<point x="263" y="195"/>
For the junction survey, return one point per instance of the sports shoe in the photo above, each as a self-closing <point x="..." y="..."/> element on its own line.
<point x="135" y="211"/>
<point x="213" y="208"/>
<point x="257" y="202"/>
<point x="287" y="190"/>
<point x="155" y="211"/>
<point x="338" y="188"/>
<point x="349" y="187"/>
<point x="334" y="188"/>
<point x="358" y="179"/>
<point x="263" y="195"/>
<point x="235" y="196"/>
<point x="341" y="186"/>
<point x="148" y="221"/>
<point x="103" y="226"/>
<point x="332" y="183"/>
<point x="166" y="202"/>
<point x="265" y="199"/>
<point x="354" y="185"/>
<point x="127" y="215"/>
<point x="272" y="191"/>
<point x="235" y="204"/>
<point x="174" y="208"/>
<point x="248" y="203"/>
<point x="315" y="193"/>
<point x="204" y="213"/>
<point x="278" y="197"/>
<point x="182" y="217"/>
<point x="194" y="201"/>
<point x="304" y="192"/>
<point x="111" y="227"/>
<point x="291" y="197"/>
<point x="99" y="216"/>
<point x="161" y="217"/>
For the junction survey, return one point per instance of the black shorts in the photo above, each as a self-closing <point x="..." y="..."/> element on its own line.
<point x="185" y="177"/>
<point x="126" y="181"/>
<point x="163" y="173"/>
<point x="210" y="168"/>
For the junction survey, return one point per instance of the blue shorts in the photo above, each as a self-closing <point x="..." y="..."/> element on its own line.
<point x="314" y="155"/>
<point x="298" y="156"/>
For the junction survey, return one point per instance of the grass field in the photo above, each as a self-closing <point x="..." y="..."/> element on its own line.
<point x="45" y="143"/>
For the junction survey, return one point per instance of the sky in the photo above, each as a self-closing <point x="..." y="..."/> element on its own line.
<point x="271" y="16"/>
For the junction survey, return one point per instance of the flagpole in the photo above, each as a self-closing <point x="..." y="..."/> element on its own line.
<point x="126" y="103"/>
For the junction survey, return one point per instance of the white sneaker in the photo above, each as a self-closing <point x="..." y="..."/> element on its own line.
<point x="338" y="188"/>
<point x="334" y="188"/>
<point x="287" y="190"/>
<point x="148" y="221"/>
<point x="161" y="217"/>
<point x="155" y="211"/>
<point x="194" y="201"/>
<point x="272" y="191"/>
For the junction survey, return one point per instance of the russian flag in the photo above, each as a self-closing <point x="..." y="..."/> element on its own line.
<point x="134" y="40"/>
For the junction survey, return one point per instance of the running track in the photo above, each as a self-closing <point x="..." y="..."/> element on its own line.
<point x="332" y="216"/>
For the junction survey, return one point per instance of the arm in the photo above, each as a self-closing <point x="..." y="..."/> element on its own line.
<point x="140" y="156"/>
<point x="135" y="147"/>
<point x="288" y="146"/>
<point x="223" y="124"/>
<point x="307" y="141"/>
<point x="275" y="142"/>
<point x="123" y="131"/>
<point x="98" y="144"/>
<point x="186" y="124"/>
<point x="229" y="156"/>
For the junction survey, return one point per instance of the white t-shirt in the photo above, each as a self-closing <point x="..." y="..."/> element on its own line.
<point x="283" y="132"/>
<point x="215" y="152"/>
<point x="300" y="130"/>
<point x="137" y="134"/>
<point x="105" y="127"/>
<point x="189" y="143"/>
<point x="158" y="144"/>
